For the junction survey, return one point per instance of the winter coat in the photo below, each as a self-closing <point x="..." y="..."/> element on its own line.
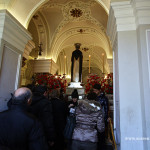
<point x="89" y="120"/>
<point x="60" y="114"/>
<point x="103" y="100"/>
<point x="41" y="107"/>
<point x="19" y="130"/>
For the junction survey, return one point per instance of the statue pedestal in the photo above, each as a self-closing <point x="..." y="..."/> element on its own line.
<point x="78" y="86"/>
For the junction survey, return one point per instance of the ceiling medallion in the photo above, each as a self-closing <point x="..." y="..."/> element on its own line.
<point x="81" y="31"/>
<point x="85" y="49"/>
<point x="76" y="12"/>
<point x="36" y="17"/>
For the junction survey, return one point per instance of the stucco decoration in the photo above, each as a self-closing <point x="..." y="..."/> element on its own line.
<point x="40" y="26"/>
<point x="51" y="5"/>
<point x="86" y="15"/>
<point x="74" y="31"/>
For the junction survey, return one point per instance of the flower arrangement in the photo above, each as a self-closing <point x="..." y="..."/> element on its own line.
<point x="52" y="81"/>
<point x="105" y="82"/>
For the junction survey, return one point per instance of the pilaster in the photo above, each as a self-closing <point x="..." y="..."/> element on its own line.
<point x="124" y="20"/>
<point x="110" y="64"/>
<point x="13" y="38"/>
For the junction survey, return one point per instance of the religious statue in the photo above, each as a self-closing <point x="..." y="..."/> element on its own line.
<point x="76" y="67"/>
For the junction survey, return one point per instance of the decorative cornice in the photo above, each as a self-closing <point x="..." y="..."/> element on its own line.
<point x="127" y="16"/>
<point x="12" y="31"/>
<point x="142" y="11"/>
<point x="121" y="18"/>
<point x="28" y="48"/>
<point x="124" y="14"/>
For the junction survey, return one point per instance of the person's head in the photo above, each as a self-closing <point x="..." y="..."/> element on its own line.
<point x="22" y="96"/>
<point x="77" y="45"/>
<point x="97" y="89"/>
<point x="42" y="89"/>
<point x="75" y="95"/>
<point x="92" y="96"/>
<point x="54" y="93"/>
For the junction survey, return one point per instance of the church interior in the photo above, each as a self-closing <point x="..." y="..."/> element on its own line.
<point x="38" y="37"/>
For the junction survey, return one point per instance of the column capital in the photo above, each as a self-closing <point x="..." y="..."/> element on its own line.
<point x="12" y="31"/>
<point x="127" y="16"/>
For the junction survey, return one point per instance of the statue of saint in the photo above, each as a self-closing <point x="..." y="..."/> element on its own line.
<point x="76" y="67"/>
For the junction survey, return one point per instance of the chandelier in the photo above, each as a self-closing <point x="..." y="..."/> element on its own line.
<point x="40" y="49"/>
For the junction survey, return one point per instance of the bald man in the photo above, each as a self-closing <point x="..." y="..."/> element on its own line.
<point x="19" y="130"/>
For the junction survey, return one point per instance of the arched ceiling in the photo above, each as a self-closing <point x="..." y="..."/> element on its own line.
<point x="53" y="22"/>
<point x="23" y="10"/>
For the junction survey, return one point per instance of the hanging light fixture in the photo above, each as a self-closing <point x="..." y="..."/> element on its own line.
<point x="40" y="49"/>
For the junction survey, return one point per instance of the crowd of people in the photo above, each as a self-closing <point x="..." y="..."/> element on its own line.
<point x="36" y="120"/>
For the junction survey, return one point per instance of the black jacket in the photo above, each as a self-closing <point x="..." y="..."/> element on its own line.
<point x="103" y="100"/>
<point x="20" y="130"/>
<point x="60" y="114"/>
<point x="41" y="107"/>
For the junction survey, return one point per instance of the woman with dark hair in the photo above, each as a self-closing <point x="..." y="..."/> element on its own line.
<point x="71" y="118"/>
<point x="73" y="103"/>
<point x="89" y="121"/>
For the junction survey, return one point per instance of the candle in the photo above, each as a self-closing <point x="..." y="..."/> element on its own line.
<point x="64" y="64"/>
<point x="103" y="61"/>
<point x="89" y="63"/>
<point x="51" y="66"/>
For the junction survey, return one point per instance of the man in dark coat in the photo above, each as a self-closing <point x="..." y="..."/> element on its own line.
<point x="19" y="130"/>
<point x="76" y="67"/>
<point x="60" y="114"/>
<point x="103" y="100"/>
<point x="41" y="107"/>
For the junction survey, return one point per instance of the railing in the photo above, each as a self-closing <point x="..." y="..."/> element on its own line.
<point x="111" y="133"/>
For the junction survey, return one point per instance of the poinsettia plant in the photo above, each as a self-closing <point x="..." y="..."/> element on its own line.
<point x="105" y="82"/>
<point x="52" y="81"/>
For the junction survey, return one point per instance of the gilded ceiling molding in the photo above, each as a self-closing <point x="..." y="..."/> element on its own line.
<point x="88" y="30"/>
<point x="85" y="7"/>
<point x="58" y="5"/>
<point x="51" y="5"/>
<point x="41" y="28"/>
<point x="33" y="11"/>
<point x="86" y="14"/>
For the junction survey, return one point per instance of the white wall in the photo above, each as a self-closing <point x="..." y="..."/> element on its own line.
<point x="129" y="89"/>
<point x="144" y="57"/>
<point x="9" y="75"/>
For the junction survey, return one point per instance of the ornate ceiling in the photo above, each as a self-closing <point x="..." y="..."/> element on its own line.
<point x="58" y="24"/>
<point x="61" y="23"/>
